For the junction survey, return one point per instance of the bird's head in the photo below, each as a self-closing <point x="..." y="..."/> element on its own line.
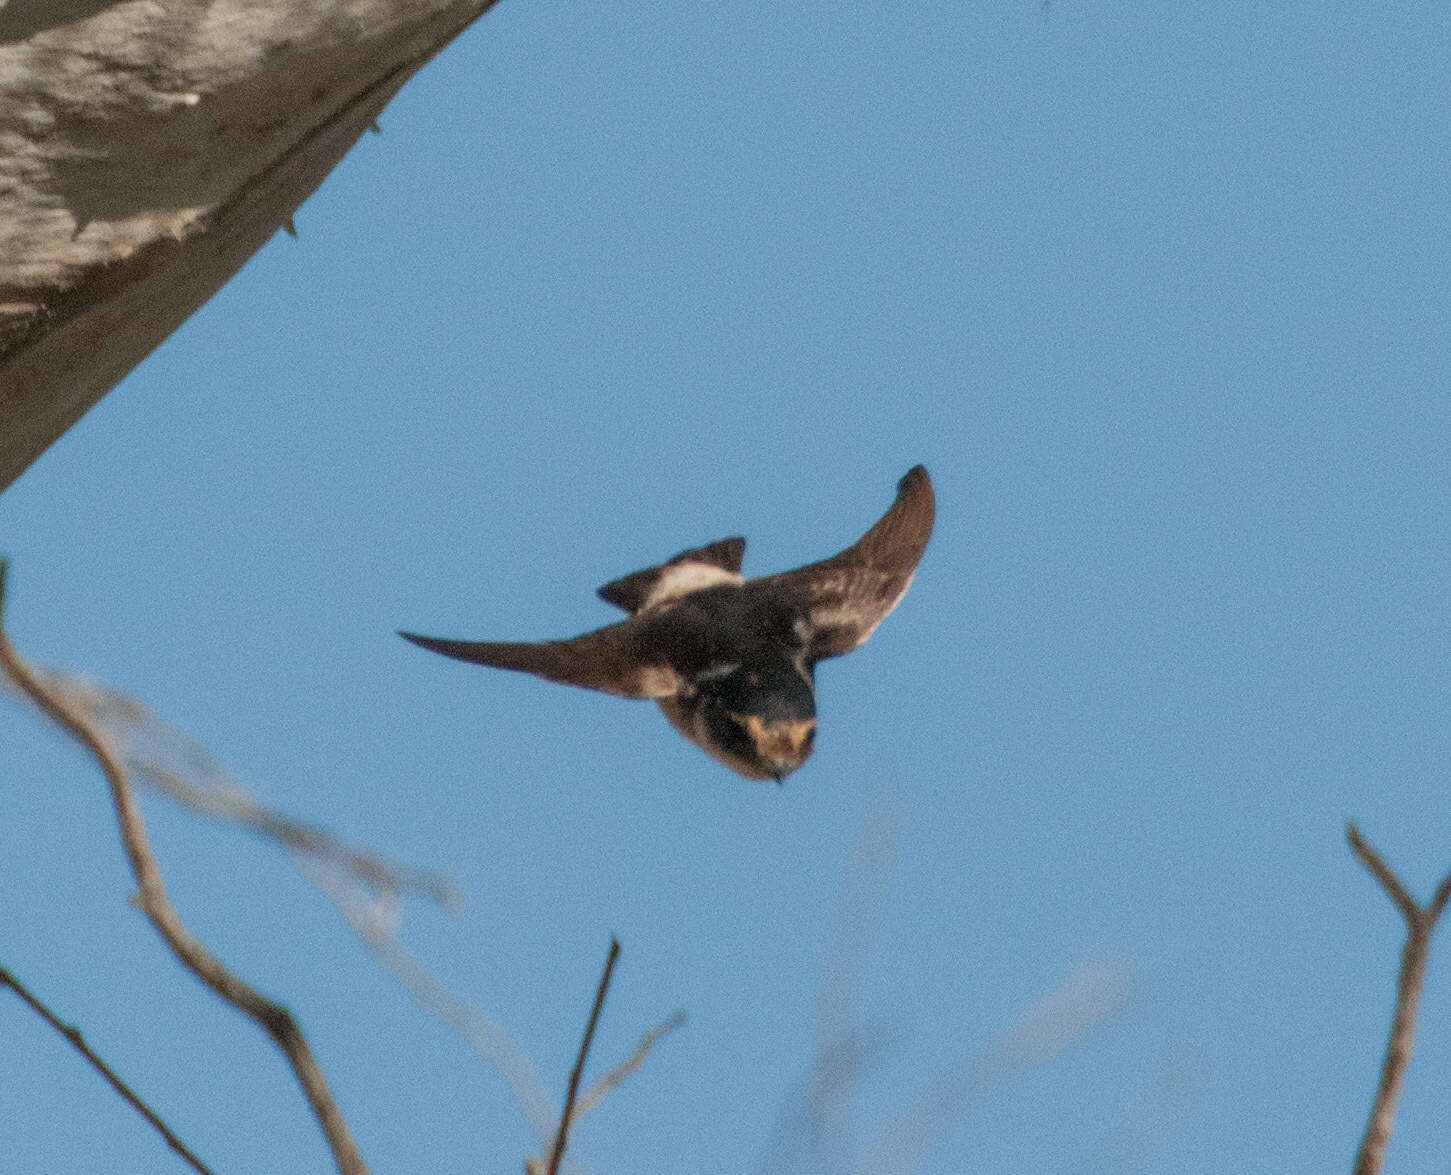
<point x="759" y="719"/>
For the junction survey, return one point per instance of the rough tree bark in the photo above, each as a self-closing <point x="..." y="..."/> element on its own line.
<point x="147" y="149"/>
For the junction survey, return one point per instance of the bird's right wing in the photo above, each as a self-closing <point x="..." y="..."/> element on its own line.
<point x="609" y="660"/>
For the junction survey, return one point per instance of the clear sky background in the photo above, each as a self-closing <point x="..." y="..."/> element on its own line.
<point x="1158" y="293"/>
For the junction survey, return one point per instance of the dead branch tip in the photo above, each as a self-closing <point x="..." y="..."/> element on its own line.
<point x="1378" y="869"/>
<point x="1420" y="923"/>
<point x="561" y="1138"/>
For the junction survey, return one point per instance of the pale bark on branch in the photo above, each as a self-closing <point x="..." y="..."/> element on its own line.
<point x="147" y="149"/>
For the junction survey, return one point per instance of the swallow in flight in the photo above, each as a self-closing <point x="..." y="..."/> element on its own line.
<point x="731" y="661"/>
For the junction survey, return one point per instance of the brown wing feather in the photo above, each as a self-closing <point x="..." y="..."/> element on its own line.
<point x="607" y="660"/>
<point x="845" y="597"/>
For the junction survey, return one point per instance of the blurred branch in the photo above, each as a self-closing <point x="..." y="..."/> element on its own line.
<point x="375" y="923"/>
<point x="1147" y="1126"/>
<point x="811" y="1132"/>
<point x="78" y="1042"/>
<point x="1420" y="924"/>
<point x="843" y="1046"/>
<point x="812" y="1128"/>
<point x="276" y="1020"/>
<point x="626" y="1068"/>
<point x="561" y="1139"/>
<point x="374" y="920"/>
<point x="154" y="752"/>
<point x="1089" y="996"/>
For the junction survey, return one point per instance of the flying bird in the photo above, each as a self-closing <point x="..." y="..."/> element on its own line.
<point x="729" y="660"/>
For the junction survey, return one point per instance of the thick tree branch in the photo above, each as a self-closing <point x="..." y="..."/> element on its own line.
<point x="78" y="1042"/>
<point x="147" y="150"/>
<point x="1420" y="924"/>
<point x="273" y="1017"/>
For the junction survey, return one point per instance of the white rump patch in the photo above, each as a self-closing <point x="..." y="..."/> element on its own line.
<point x="684" y="578"/>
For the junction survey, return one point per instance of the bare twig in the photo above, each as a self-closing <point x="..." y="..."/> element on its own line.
<point x="276" y="1020"/>
<point x="626" y="1068"/>
<point x="1420" y="923"/>
<point x="78" y="1042"/>
<point x="561" y="1139"/>
<point x="374" y="919"/>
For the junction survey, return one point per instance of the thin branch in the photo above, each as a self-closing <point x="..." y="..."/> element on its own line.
<point x="374" y="921"/>
<point x="1389" y="882"/>
<point x="626" y="1068"/>
<point x="1420" y="923"/>
<point x="561" y="1140"/>
<point x="273" y="1017"/>
<point x="1438" y="902"/>
<point x="78" y="1042"/>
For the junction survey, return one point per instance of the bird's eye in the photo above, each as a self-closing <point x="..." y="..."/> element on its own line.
<point x="732" y="734"/>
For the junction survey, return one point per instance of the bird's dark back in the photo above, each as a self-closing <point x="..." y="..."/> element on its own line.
<point x="724" y="625"/>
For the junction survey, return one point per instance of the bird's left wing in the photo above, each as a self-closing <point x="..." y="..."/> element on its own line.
<point x="845" y="597"/>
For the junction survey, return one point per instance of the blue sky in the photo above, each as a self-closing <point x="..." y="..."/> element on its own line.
<point x="1159" y="297"/>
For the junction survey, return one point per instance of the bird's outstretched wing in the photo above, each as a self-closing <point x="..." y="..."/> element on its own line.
<point x="845" y="597"/>
<point x="608" y="659"/>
